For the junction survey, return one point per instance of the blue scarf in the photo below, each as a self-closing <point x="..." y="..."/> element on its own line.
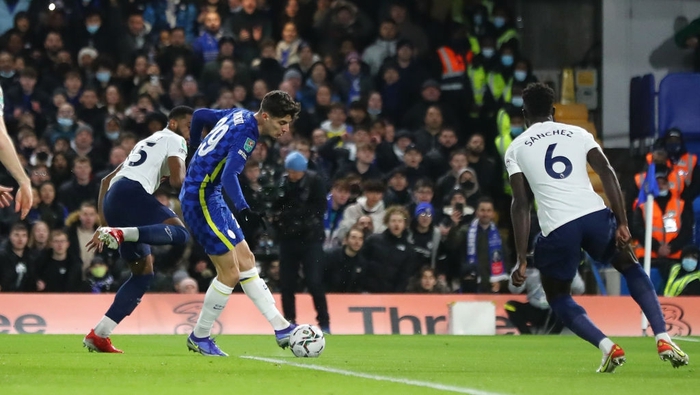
<point x="498" y="269"/>
<point x="332" y="218"/>
<point x="354" y="92"/>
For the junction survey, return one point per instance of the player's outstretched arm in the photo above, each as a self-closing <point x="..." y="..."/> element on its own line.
<point x="104" y="185"/>
<point x="202" y="118"/>
<point x="520" y="215"/>
<point x="9" y="158"/>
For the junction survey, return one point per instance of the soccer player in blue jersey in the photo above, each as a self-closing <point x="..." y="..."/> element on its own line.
<point x="137" y="220"/>
<point x="548" y="162"/>
<point x="217" y="163"/>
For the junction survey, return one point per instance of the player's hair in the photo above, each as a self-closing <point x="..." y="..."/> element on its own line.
<point x="180" y="112"/>
<point x="539" y="100"/>
<point x="395" y="210"/>
<point x="484" y="200"/>
<point x="19" y="227"/>
<point x="373" y="185"/>
<point x="278" y="104"/>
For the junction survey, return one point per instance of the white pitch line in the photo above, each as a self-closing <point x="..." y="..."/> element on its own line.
<point x="416" y="383"/>
<point x="687" y="339"/>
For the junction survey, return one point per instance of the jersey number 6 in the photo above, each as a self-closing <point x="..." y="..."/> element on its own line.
<point x="550" y="161"/>
<point x="142" y="156"/>
<point x="214" y="137"/>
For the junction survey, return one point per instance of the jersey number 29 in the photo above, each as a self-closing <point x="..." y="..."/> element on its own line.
<point x="214" y="137"/>
<point x="550" y="161"/>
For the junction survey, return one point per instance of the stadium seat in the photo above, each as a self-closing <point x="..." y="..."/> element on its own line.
<point x="589" y="126"/>
<point x="642" y="116"/>
<point x="567" y="113"/>
<point x="679" y="104"/>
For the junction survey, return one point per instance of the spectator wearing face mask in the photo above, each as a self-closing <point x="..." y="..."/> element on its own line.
<point x="673" y="222"/>
<point x="684" y="277"/>
<point x="684" y="163"/>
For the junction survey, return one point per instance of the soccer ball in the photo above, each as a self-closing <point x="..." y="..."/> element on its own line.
<point x="307" y="341"/>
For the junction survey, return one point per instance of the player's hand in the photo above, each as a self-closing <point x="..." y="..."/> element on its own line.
<point x="24" y="199"/>
<point x="95" y="243"/>
<point x="253" y="219"/>
<point x="5" y="196"/>
<point x="622" y="236"/>
<point x="518" y="277"/>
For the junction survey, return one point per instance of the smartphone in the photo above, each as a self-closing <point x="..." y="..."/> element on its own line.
<point x="154" y="80"/>
<point x="459" y="207"/>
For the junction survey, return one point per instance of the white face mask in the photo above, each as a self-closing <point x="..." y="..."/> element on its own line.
<point x="663" y="192"/>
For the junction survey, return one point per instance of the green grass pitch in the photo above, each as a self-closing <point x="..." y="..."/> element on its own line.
<point x="500" y="365"/>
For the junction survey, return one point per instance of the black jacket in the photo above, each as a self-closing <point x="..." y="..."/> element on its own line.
<point x="343" y="273"/>
<point x="391" y="262"/>
<point x="298" y="212"/>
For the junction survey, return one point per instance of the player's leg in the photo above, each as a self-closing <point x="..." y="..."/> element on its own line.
<point x="557" y="256"/>
<point x="170" y="231"/>
<point x="603" y="248"/>
<point x="312" y="265"/>
<point x="260" y="294"/>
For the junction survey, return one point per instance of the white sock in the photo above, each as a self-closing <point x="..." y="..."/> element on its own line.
<point x="130" y="234"/>
<point x="606" y="345"/>
<point x="214" y="303"/>
<point x="663" y="336"/>
<point x="105" y="327"/>
<point x="259" y="293"/>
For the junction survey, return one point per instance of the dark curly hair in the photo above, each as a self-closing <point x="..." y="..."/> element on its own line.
<point x="278" y="104"/>
<point x="539" y="100"/>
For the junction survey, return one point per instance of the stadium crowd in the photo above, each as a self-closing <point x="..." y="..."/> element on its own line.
<point x="407" y="110"/>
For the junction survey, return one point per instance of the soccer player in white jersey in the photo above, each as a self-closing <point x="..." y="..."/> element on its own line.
<point x="137" y="220"/>
<point x="548" y="161"/>
<point x="9" y="158"/>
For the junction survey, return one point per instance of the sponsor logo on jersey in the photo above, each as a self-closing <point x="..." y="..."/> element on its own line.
<point x="238" y="118"/>
<point x="249" y="145"/>
<point x="241" y="153"/>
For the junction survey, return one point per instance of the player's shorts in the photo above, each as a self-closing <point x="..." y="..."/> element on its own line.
<point x="558" y="255"/>
<point x="211" y="222"/>
<point x="127" y="204"/>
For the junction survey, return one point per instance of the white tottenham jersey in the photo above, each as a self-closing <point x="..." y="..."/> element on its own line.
<point x="148" y="161"/>
<point x="552" y="156"/>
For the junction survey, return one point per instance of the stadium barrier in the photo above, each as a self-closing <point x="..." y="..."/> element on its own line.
<point x="350" y="314"/>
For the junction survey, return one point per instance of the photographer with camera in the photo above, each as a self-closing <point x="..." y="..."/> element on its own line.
<point x="298" y="219"/>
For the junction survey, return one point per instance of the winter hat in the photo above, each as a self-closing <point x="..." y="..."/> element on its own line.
<point x="295" y="161"/>
<point x="423" y="208"/>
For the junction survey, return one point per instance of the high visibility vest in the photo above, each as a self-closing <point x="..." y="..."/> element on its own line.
<point x="675" y="285"/>
<point x="453" y="69"/>
<point x="676" y="183"/>
<point x="684" y="167"/>
<point x="500" y="88"/>
<point x="507" y="36"/>
<point x="503" y="141"/>
<point x="665" y="226"/>
<point x="477" y="77"/>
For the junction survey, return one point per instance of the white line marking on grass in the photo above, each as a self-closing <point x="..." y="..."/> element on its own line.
<point x="416" y="383"/>
<point x="687" y="339"/>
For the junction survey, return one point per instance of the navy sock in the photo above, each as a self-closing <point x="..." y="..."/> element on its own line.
<point x="642" y="291"/>
<point x="129" y="296"/>
<point x="162" y="234"/>
<point x="576" y="319"/>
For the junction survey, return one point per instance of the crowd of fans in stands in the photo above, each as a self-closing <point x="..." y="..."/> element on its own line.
<point x="407" y="109"/>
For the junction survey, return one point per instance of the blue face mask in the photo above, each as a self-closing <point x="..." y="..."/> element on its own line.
<point x="112" y="136"/>
<point x="92" y="29"/>
<point x="517" y="101"/>
<point x="65" y="122"/>
<point x="7" y="74"/>
<point x="103" y="76"/>
<point x="478" y="19"/>
<point x="663" y="192"/>
<point x="488" y="52"/>
<point x="689" y="264"/>
<point x="507" y="60"/>
<point x="516" y="131"/>
<point x="499" y="22"/>
<point x="520" y="75"/>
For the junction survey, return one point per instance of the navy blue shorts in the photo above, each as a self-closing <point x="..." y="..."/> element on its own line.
<point x="127" y="204"/>
<point x="558" y="255"/>
<point x="211" y="222"/>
